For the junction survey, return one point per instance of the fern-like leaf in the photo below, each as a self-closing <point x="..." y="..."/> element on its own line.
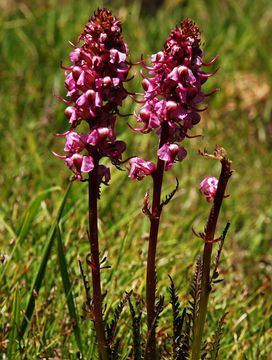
<point x="158" y="310"/>
<point x="88" y="306"/>
<point x="195" y="292"/>
<point x="178" y="319"/>
<point x="136" y="329"/>
<point x="184" y="341"/>
<point x="170" y="196"/>
<point x="218" y="255"/>
<point x="111" y="328"/>
<point x="115" y="351"/>
<point x="212" y="348"/>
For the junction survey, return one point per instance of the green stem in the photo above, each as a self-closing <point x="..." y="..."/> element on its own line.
<point x="152" y="248"/>
<point x="206" y="258"/>
<point x="95" y="264"/>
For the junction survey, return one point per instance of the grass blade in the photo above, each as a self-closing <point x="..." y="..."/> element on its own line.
<point x="121" y="252"/>
<point x="15" y="320"/>
<point x="68" y="289"/>
<point x="41" y="271"/>
<point x="31" y="211"/>
<point x="25" y="224"/>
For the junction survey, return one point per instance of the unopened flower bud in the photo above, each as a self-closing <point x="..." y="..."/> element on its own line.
<point x="174" y="148"/>
<point x="157" y="57"/>
<point x="103" y="132"/>
<point x="171" y="106"/>
<point x="76" y="72"/>
<point x="182" y="70"/>
<point x="144" y="114"/>
<point x="69" y="111"/>
<point x="90" y="95"/>
<point x="145" y="84"/>
<point x="107" y="81"/>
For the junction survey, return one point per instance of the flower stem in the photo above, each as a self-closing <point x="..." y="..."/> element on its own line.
<point x="206" y="258"/>
<point x="95" y="264"/>
<point x="152" y="247"/>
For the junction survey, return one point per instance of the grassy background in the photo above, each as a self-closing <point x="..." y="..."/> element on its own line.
<point x="33" y="40"/>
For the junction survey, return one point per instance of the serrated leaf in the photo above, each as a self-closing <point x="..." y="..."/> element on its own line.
<point x="212" y="348"/>
<point x="136" y="329"/>
<point x="178" y="318"/>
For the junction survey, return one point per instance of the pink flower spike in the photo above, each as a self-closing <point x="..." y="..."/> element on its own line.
<point x="173" y="90"/>
<point x="208" y="187"/>
<point x="95" y="90"/>
<point x="140" y="168"/>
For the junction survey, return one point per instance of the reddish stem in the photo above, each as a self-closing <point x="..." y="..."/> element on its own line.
<point x="95" y="264"/>
<point x="206" y="258"/>
<point x="152" y="247"/>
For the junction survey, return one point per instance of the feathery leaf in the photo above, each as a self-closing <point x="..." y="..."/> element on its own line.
<point x="212" y="347"/>
<point x="136" y="328"/>
<point x="178" y="319"/>
<point x="218" y="255"/>
<point x="111" y="328"/>
<point x="195" y="292"/>
<point x="170" y="196"/>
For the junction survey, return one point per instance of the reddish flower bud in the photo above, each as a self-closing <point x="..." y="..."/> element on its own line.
<point x="145" y="84"/>
<point x="208" y="187"/>
<point x="144" y="114"/>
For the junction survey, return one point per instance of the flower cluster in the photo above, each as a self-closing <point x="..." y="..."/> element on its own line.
<point x="208" y="187"/>
<point x="95" y="91"/>
<point x="173" y="92"/>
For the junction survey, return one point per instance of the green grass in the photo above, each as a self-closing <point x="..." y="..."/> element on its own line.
<point x="33" y="41"/>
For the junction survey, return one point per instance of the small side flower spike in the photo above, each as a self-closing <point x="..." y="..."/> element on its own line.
<point x="208" y="187"/>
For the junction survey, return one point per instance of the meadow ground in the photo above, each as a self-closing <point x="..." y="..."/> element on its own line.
<point x="33" y="40"/>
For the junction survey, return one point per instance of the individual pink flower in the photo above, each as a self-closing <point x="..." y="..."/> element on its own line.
<point x="79" y="164"/>
<point x="208" y="187"/>
<point x="140" y="168"/>
<point x="100" y="134"/>
<point x="171" y="152"/>
<point x="75" y="142"/>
